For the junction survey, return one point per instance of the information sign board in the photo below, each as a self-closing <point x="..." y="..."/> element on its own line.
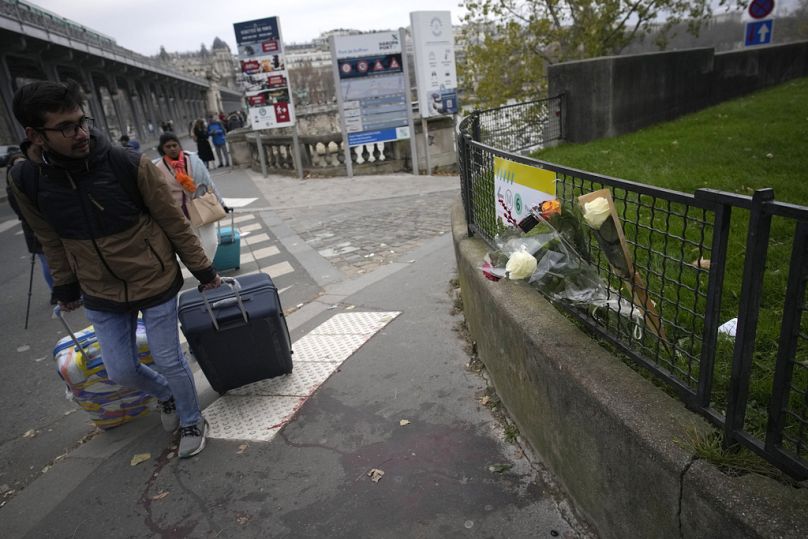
<point x="264" y="77"/>
<point x="435" y="70"/>
<point x="518" y="187"/>
<point x="369" y="72"/>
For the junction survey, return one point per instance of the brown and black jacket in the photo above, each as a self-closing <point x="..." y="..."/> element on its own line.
<point x="106" y="242"/>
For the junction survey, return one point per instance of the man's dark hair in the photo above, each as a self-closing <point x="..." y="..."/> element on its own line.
<point x="33" y="100"/>
<point x="124" y="139"/>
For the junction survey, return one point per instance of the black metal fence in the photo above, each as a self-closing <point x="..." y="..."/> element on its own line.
<point x="680" y="244"/>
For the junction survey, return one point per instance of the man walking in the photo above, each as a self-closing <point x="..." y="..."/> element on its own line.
<point x="217" y="135"/>
<point x="111" y="233"/>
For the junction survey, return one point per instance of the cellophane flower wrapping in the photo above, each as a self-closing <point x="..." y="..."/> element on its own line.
<point x="562" y="272"/>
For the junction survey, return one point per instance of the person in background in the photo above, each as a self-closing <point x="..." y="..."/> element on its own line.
<point x="185" y="174"/>
<point x="218" y="135"/>
<point x="131" y="144"/>
<point x="234" y="121"/>
<point x="111" y="232"/>
<point x="34" y="247"/>
<point x="203" y="149"/>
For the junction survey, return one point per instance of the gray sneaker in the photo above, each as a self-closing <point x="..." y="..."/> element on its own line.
<point x="168" y="415"/>
<point x="192" y="439"/>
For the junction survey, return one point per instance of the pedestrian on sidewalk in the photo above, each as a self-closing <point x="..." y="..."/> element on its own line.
<point x="34" y="247"/>
<point x="185" y="174"/>
<point x="111" y="232"/>
<point x="203" y="149"/>
<point x="129" y="143"/>
<point x="218" y="135"/>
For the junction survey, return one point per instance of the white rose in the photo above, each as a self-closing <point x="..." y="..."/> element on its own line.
<point x="521" y="265"/>
<point x="596" y="212"/>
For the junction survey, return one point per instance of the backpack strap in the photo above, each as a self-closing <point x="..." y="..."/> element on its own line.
<point x="26" y="178"/>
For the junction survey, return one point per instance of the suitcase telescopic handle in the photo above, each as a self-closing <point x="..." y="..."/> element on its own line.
<point x="235" y="287"/>
<point x="57" y="312"/>
<point x="232" y="222"/>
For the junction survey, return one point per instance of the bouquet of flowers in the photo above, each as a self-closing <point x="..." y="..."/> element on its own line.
<point x="600" y="215"/>
<point x="545" y="249"/>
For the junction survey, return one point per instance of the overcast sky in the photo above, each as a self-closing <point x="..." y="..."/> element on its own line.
<point x="182" y="25"/>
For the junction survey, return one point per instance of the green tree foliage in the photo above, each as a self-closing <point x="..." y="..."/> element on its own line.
<point x="509" y="43"/>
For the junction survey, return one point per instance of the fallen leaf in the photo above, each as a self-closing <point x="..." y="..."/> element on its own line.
<point x="140" y="457"/>
<point x="375" y="474"/>
<point x="349" y="307"/>
<point x="160" y="496"/>
<point x="170" y="455"/>
<point x="46" y="468"/>
<point x="485" y="400"/>
<point x="499" y="468"/>
<point x="29" y="434"/>
<point x="241" y="449"/>
<point x="404" y="422"/>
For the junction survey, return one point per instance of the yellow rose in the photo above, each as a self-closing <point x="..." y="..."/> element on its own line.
<point x="596" y="212"/>
<point x="521" y="265"/>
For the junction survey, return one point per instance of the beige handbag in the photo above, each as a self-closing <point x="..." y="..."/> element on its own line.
<point x="205" y="209"/>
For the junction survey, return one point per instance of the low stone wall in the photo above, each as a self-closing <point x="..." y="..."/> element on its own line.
<point x="611" y="437"/>
<point x="609" y="96"/>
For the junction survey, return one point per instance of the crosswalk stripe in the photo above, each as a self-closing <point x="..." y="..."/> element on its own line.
<point x="242" y="218"/>
<point x="249" y="228"/>
<point x="281" y="268"/>
<point x="258" y="238"/>
<point x="266" y="252"/>
<point x="9" y="224"/>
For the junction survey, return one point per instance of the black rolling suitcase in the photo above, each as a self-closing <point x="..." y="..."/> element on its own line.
<point x="237" y="332"/>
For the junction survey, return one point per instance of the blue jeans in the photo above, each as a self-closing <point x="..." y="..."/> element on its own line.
<point x="45" y="270"/>
<point x="171" y="374"/>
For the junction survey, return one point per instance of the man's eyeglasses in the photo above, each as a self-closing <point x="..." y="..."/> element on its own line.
<point x="71" y="130"/>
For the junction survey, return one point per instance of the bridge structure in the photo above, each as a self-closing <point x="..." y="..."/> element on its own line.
<point x="127" y="93"/>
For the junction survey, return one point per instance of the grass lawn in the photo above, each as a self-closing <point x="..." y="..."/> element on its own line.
<point x="757" y="141"/>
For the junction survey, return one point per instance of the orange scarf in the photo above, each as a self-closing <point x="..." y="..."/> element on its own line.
<point x="177" y="166"/>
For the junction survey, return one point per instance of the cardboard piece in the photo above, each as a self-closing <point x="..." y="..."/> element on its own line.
<point x="612" y="241"/>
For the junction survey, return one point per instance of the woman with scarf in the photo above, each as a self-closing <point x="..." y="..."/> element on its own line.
<point x="200" y="135"/>
<point x="188" y="176"/>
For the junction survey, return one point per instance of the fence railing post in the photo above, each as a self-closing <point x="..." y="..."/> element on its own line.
<point x="789" y="334"/>
<point x="467" y="183"/>
<point x="757" y="244"/>
<point x="712" y="310"/>
<point x="475" y="126"/>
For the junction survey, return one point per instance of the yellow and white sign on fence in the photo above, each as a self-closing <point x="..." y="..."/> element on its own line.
<point x="518" y="187"/>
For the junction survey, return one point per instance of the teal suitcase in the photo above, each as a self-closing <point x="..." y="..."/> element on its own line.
<point x="228" y="253"/>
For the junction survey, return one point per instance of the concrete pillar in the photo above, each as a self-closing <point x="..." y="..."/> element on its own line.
<point x="10" y="130"/>
<point x="139" y="116"/>
<point x="93" y="100"/>
<point x="114" y="92"/>
<point x="150" y="97"/>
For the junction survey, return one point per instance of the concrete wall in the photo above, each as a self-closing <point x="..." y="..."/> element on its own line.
<point x="611" y="437"/>
<point x="610" y="96"/>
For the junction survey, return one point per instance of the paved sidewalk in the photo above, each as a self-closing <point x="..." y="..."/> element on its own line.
<point x="448" y="470"/>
